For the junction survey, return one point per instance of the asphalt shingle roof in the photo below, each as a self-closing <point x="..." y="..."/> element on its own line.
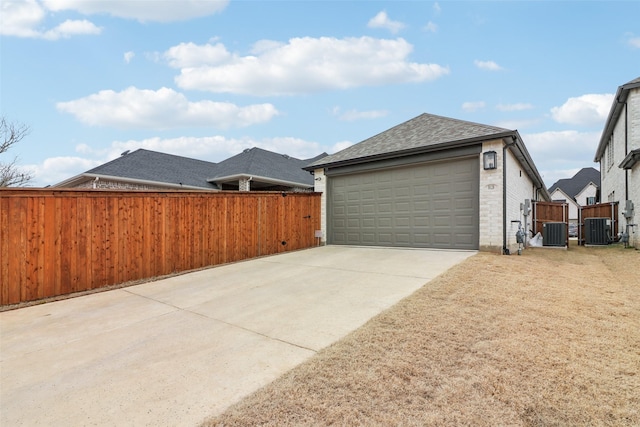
<point x="423" y="131"/>
<point x="572" y="186"/>
<point x="262" y="163"/>
<point x="160" y="167"/>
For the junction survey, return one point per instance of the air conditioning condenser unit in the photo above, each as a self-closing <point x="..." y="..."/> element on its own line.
<point x="554" y="234"/>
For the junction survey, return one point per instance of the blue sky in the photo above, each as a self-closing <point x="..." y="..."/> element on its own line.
<point x="207" y="79"/>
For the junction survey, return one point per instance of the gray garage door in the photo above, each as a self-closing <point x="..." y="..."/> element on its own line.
<point x="431" y="205"/>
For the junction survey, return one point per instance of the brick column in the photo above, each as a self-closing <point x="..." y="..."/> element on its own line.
<point x="244" y="184"/>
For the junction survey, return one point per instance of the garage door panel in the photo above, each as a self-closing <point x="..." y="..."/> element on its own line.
<point x="428" y="205"/>
<point x="385" y="193"/>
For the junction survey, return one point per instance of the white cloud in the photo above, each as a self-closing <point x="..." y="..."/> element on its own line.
<point x="556" y="153"/>
<point x="218" y="148"/>
<point x="633" y="41"/>
<point x="487" y="65"/>
<point x="188" y="55"/>
<point x="161" y="109"/>
<point x="57" y="169"/>
<point x="20" y="18"/>
<point x="211" y="148"/>
<point x="431" y="27"/>
<point x="436" y="8"/>
<point x="353" y="115"/>
<point x="382" y="20"/>
<point x="473" y="106"/>
<point x="141" y="10"/>
<point x="25" y="19"/>
<point x="339" y="146"/>
<point x="303" y="65"/>
<point x="590" y="109"/>
<point x="521" y="106"/>
<point x="128" y="56"/>
<point x="71" y="28"/>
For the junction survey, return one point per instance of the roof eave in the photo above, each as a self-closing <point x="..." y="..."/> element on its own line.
<point x="275" y="181"/>
<point x="631" y="159"/>
<point x="529" y="166"/>
<point x="411" y="151"/>
<point x="614" y="113"/>
<point x="178" y="186"/>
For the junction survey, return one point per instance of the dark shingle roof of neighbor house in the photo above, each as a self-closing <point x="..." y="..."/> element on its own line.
<point x="265" y="166"/>
<point x="152" y="166"/>
<point x="423" y="131"/>
<point x="574" y="185"/>
<point x="161" y="169"/>
<point x="616" y="109"/>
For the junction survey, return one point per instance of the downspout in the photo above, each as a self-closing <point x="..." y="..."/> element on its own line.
<point x="626" y="150"/>
<point x="505" y="251"/>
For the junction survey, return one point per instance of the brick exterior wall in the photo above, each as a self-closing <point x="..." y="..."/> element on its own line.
<point x="103" y="184"/>
<point x="244" y="184"/>
<point x="613" y="177"/>
<point x="320" y="186"/>
<point x="519" y="188"/>
<point x="491" y="200"/>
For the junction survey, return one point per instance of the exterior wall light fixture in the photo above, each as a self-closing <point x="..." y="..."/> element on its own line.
<point x="489" y="160"/>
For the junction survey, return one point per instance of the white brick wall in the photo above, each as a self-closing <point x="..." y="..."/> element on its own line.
<point x="320" y="186"/>
<point x="491" y="200"/>
<point x="104" y="184"/>
<point x="519" y="188"/>
<point x="613" y="178"/>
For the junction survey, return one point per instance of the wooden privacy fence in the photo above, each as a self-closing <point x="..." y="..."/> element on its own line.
<point x="56" y="242"/>
<point x="548" y="212"/>
<point x="601" y="210"/>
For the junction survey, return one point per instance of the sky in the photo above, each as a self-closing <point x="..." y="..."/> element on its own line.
<point x="208" y="79"/>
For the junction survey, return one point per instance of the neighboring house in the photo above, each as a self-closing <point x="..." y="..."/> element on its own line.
<point x="253" y="169"/>
<point x="431" y="182"/>
<point x="258" y="169"/>
<point x="146" y="170"/>
<point x="619" y="156"/>
<point x="580" y="190"/>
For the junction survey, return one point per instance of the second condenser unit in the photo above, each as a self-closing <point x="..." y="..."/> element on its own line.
<point x="596" y="231"/>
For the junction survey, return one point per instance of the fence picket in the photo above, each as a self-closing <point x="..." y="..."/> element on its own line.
<point x="55" y="242"/>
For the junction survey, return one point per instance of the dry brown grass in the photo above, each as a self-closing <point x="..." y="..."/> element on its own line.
<point x="549" y="338"/>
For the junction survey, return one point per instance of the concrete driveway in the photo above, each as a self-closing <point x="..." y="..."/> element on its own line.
<point x="178" y="350"/>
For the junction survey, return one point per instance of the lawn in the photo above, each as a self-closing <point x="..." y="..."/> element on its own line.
<point x="549" y="338"/>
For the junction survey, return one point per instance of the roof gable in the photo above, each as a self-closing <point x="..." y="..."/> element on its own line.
<point x="558" y="192"/>
<point x="422" y="132"/>
<point x="266" y="164"/>
<point x="574" y="185"/>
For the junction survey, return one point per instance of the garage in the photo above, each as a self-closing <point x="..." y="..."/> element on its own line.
<point x="426" y="205"/>
<point x="430" y="182"/>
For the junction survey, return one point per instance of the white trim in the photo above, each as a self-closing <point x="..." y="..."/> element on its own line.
<point x="79" y="178"/>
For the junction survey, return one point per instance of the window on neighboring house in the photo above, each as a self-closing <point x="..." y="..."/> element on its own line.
<point x="610" y="153"/>
<point x="591" y="201"/>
